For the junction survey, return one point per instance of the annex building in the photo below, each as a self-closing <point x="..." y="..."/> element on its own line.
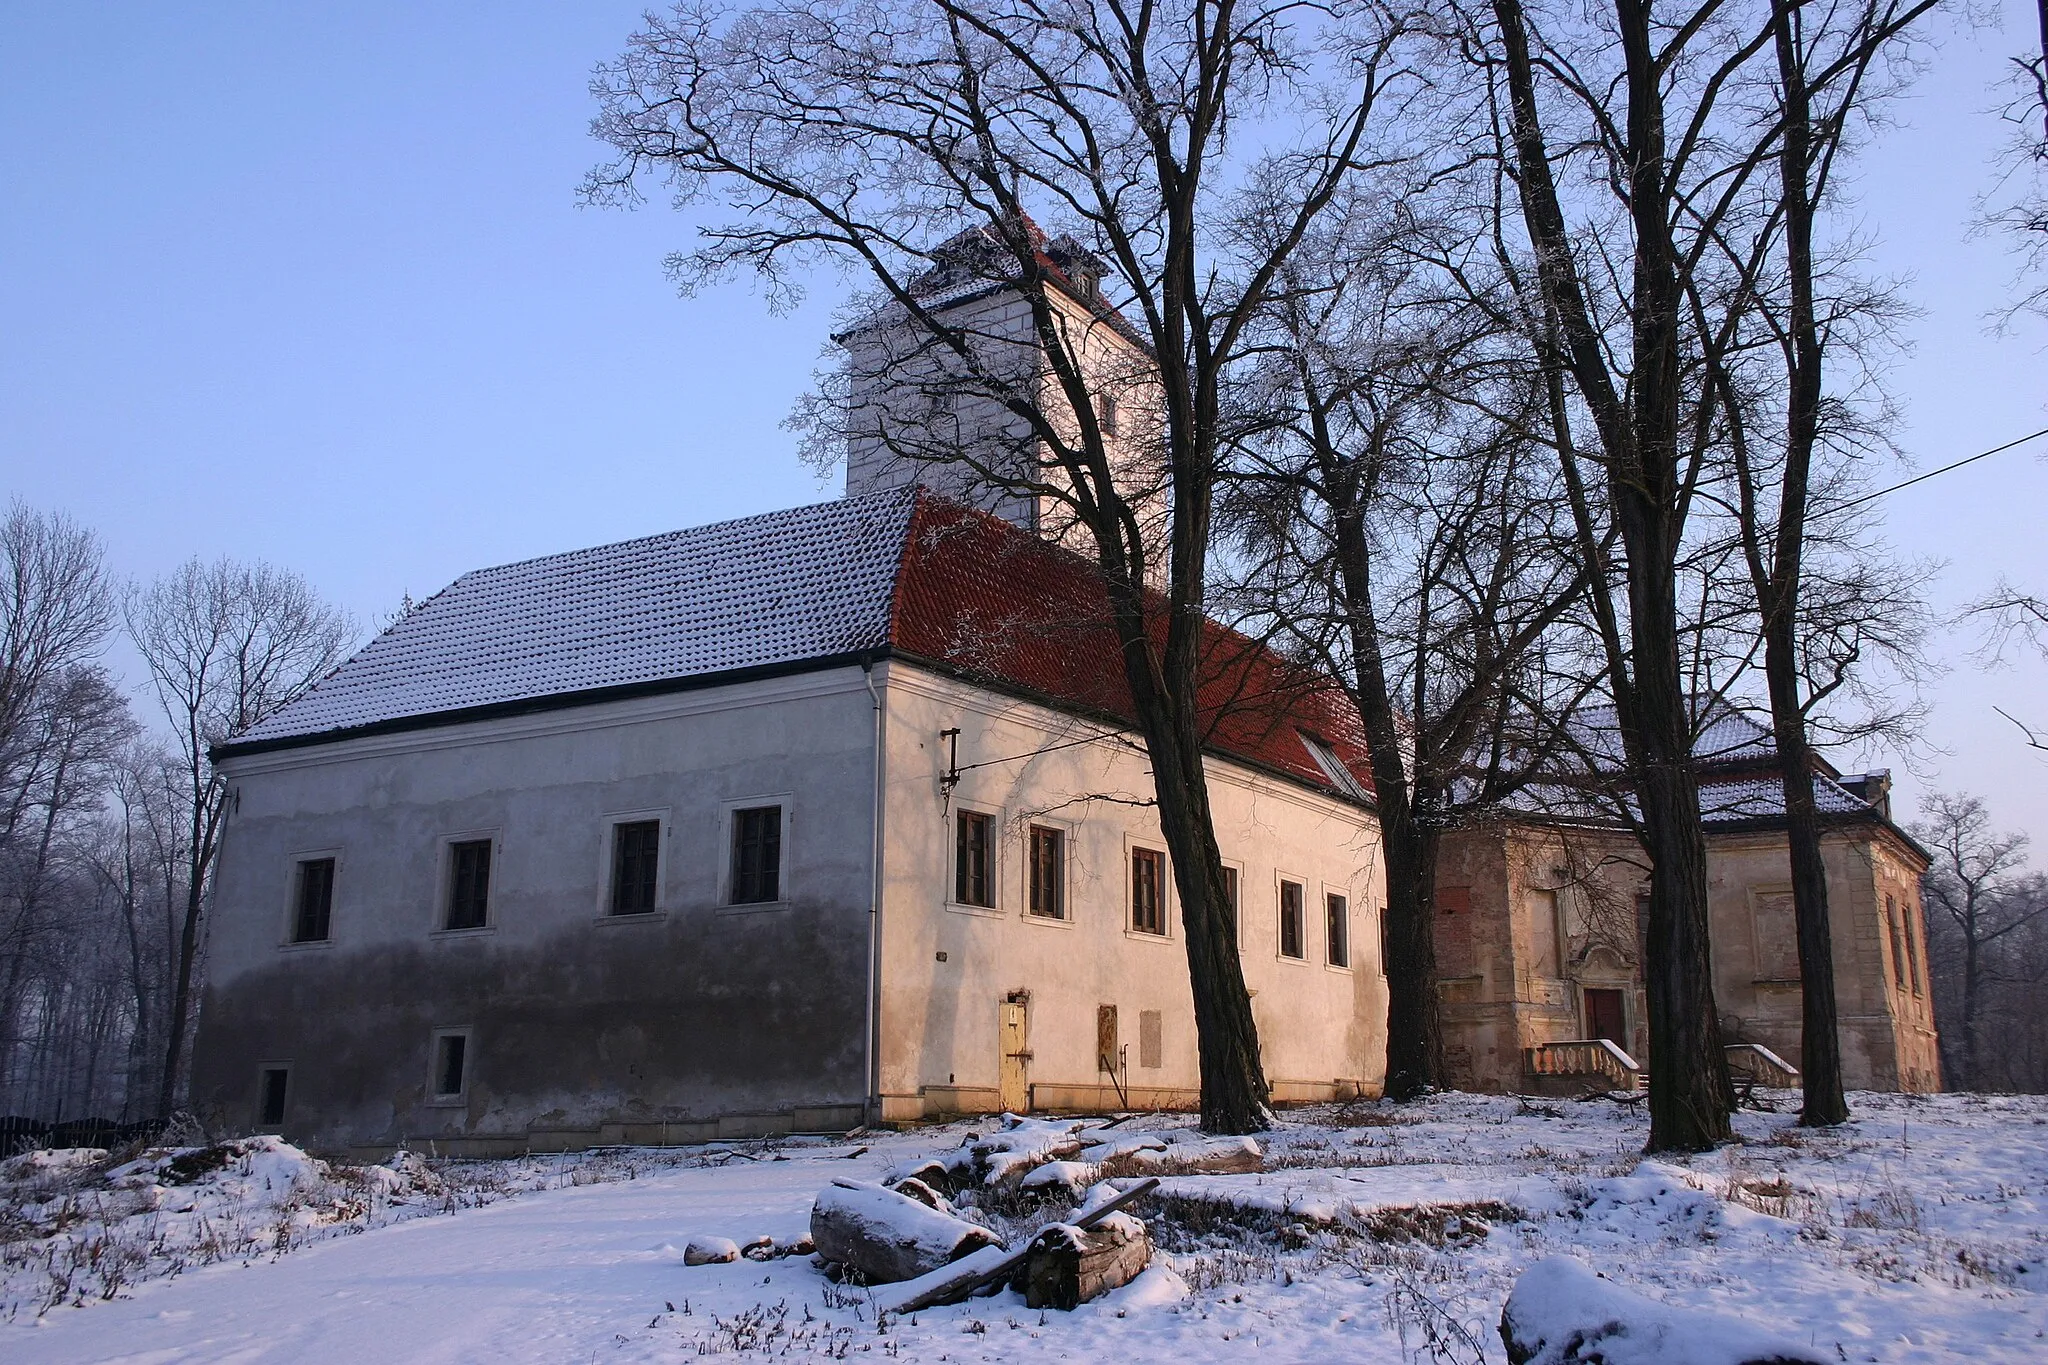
<point x="1540" y="922"/>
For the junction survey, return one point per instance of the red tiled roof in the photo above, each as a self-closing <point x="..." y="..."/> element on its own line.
<point x="1000" y="606"/>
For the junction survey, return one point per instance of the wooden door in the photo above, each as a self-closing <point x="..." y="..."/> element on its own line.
<point x="1014" y="1086"/>
<point x="1604" y="1017"/>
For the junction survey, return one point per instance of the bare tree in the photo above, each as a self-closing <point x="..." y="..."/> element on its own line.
<point x="1406" y="525"/>
<point x="906" y="142"/>
<point x="226" y="646"/>
<point x="1983" y="907"/>
<point x="1635" y="138"/>
<point x="2011" y="617"/>
<point x="2017" y="204"/>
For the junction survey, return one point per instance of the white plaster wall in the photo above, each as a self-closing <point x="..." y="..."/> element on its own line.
<point x="1319" y="1026"/>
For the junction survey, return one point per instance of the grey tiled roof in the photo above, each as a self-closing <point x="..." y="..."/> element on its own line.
<point x="807" y="583"/>
<point x="1724" y="803"/>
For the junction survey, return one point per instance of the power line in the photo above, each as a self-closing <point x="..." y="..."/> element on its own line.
<point x="1917" y="478"/>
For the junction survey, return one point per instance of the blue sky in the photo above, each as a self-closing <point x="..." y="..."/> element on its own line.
<point x="310" y="284"/>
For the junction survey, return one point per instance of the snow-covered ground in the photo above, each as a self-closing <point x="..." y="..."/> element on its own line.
<point x="1918" y="1233"/>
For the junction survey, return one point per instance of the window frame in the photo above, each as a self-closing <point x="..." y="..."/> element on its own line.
<point x="444" y="901"/>
<point x="1134" y="852"/>
<point x="435" y="1067"/>
<point x="1233" y="875"/>
<point x="264" y="1071"/>
<point x="1342" y="941"/>
<point x="1064" y="887"/>
<point x="729" y="813"/>
<point x="608" y="867"/>
<point x="287" y="940"/>
<point x="1281" y="881"/>
<point x="992" y="855"/>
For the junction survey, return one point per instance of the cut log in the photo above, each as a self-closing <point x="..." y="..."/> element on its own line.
<point x="1069" y="1266"/>
<point x="710" y="1251"/>
<point x="883" y="1236"/>
<point x="957" y="1284"/>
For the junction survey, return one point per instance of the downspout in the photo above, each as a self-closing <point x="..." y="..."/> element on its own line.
<point x="873" y="1104"/>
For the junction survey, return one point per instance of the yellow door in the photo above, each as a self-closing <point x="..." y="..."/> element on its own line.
<point x="1016" y="1091"/>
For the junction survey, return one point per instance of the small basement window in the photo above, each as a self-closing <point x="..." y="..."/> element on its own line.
<point x="756" y="856"/>
<point x="313" y="903"/>
<point x="451" y="1064"/>
<point x="974" y="880"/>
<point x="636" y="865"/>
<point x="273" y="1083"/>
<point x="1148" y="880"/>
<point x="469" y="885"/>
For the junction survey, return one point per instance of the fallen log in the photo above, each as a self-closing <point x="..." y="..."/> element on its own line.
<point x="1070" y="1266"/>
<point x="956" y="1284"/>
<point x="884" y="1236"/>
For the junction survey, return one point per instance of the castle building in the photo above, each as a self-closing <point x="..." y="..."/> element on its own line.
<point x="825" y="816"/>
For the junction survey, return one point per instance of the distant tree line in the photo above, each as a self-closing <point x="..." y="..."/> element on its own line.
<point x="111" y="820"/>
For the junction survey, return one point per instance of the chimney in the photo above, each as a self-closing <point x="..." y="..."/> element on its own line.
<point x="1872" y="788"/>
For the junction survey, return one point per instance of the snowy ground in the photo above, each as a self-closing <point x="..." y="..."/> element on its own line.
<point x="1919" y="1233"/>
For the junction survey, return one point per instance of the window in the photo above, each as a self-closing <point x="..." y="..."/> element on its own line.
<point x="451" y="1064"/>
<point x="974" y="881"/>
<point x="1148" y="876"/>
<point x="1293" y="931"/>
<point x="1891" y="919"/>
<point x="272" y="1084"/>
<point x="1341" y="777"/>
<point x="636" y="866"/>
<point x="756" y="855"/>
<point x="1915" y="972"/>
<point x="469" y="884"/>
<point x="1337" y="910"/>
<point x="1048" y="872"/>
<point x="1230" y="901"/>
<point x="313" y="905"/>
<point x="1105" y="413"/>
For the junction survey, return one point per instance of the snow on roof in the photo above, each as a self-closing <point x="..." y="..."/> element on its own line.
<point x="802" y="584"/>
<point x="902" y="570"/>
<point x="1763" y="798"/>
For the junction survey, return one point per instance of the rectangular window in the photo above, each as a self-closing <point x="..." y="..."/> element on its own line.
<point x="451" y="1065"/>
<point x="274" y="1082"/>
<point x="1105" y="413"/>
<point x="1148" y="876"/>
<point x="636" y="863"/>
<point x="313" y="906"/>
<point x="1337" y="910"/>
<point x="1916" y="973"/>
<point x="1048" y="872"/>
<point x="1293" y="932"/>
<point x="1891" y="919"/>
<point x="974" y="881"/>
<point x="1230" y="901"/>
<point x="469" y="884"/>
<point x="756" y="855"/>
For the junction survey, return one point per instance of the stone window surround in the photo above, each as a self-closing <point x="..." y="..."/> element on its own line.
<point x="608" y="825"/>
<point x="727" y="812"/>
<point x="444" y="880"/>
<point x="289" y="925"/>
